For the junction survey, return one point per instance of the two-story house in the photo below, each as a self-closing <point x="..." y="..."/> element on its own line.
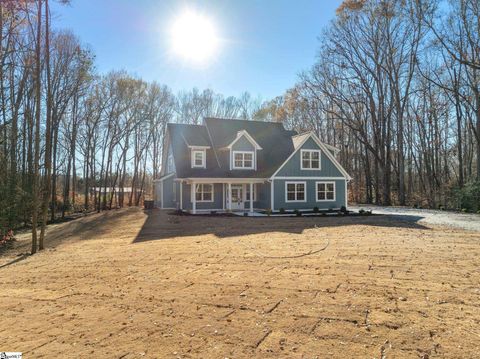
<point x="240" y="165"/>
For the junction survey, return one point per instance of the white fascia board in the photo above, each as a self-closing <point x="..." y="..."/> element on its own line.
<point x="250" y="139"/>
<point x="161" y="179"/>
<point x="323" y="148"/>
<point x="224" y="180"/>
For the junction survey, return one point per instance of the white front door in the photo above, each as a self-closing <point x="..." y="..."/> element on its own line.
<point x="237" y="197"/>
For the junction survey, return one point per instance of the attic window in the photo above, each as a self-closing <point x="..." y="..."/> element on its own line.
<point x="243" y="160"/>
<point x="198" y="158"/>
<point x="310" y="160"/>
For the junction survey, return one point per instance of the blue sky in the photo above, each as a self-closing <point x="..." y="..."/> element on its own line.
<point x="264" y="44"/>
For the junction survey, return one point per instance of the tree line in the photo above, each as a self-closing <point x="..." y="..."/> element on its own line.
<point x="70" y="137"/>
<point x="396" y="86"/>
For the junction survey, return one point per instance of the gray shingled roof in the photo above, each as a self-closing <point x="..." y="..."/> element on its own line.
<point x="276" y="142"/>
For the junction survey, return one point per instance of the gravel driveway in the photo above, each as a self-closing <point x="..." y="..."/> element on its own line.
<point x="428" y="216"/>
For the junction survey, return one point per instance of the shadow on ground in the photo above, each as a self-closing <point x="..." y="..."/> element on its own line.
<point x="162" y="224"/>
<point x="82" y="228"/>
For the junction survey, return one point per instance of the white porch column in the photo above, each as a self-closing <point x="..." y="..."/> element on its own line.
<point x="272" y="203"/>
<point x="161" y="194"/>
<point x="229" y="196"/>
<point x="194" y="198"/>
<point x="181" y="195"/>
<point x="251" y="197"/>
<point x="223" y="196"/>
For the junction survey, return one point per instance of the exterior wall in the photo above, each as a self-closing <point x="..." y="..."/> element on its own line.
<point x="293" y="167"/>
<point x="217" y="203"/>
<point x="292" y="170"/>
<point x="168" y="194"/>
<point x="263" y="196"/>
<point x="311" y="196"/>
<point x="242" y="145"/>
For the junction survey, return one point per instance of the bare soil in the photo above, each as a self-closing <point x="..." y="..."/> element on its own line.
<point x="130" y="284"/>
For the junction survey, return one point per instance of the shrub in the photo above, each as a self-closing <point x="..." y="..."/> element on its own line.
<point x="7" y="239"/>
<point x="343" y="209"/>
<point x="315" y="209"/>
<point x="468" y="197"/>
<point x="297" y="213"/>
<point x="361" y="211"/>
<point x="268" y="212"/>
<point x="282" y="210"/>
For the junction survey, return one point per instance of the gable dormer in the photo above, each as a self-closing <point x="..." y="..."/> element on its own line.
<point x="243" y="152"/>
<point x="198" y="156"/>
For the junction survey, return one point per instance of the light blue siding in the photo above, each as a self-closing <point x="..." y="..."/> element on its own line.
<point x="263" y="196"/>
<point x="293" y="167"/>
<point x="168" y="195"/>
<point x="217" y="198"/>
<point x="242" y="145"/>
<point x="311" y="195"/>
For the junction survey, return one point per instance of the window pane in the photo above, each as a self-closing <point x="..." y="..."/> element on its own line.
<point x="238" y="163"/>
<point x="300" y="196"/>
<point x="315" y="155"/>
<point x="291" y="187"/>
<point x="247" y="163"/>
<point x="207" y="196"/>
<point x="291" y="196"/>
<point x="321" y="196"/>
<point x="330" y="195"/>
<point x="300" y="187"/>
<point x="305" y="155"/>
<point x="321" y="187"/>
<point x="198" y="196"/>
<point x="315" y="164"/>
<point x="207" y="188"/>
<point x="330" y="187"/>
<point x="238" y="157"/>
<point x="306" y="164"/>
<point x="248" y="156"/>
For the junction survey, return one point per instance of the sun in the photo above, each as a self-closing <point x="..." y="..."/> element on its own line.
<point x="193" y="37"/>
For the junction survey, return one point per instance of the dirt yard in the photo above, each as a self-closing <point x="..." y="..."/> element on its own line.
<point x="129" y="284"/>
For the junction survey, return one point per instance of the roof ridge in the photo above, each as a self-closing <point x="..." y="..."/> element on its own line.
<point x="242" y="119"/>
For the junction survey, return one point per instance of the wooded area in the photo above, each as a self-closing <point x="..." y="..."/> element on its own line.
<point x="395" y="86"/>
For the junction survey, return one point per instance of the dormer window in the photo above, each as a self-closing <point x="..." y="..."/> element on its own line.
<point x="198" y="158"/>
<point x="243" y="160"/>
<point x="310" y="159"/>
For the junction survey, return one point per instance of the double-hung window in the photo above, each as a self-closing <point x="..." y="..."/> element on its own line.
<point x="325" y="191"/>
<point x="198" y="158"/>
<point x="243" y="160"/>
<point x="204" y="192"/>
<point x="310" y="159"/>
<point x="295" y="191"/>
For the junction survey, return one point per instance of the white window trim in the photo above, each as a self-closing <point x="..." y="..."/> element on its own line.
<point x="194" y="192"/>
<point x="243" y="153"/>
<point x="295" y="183"/>
<point x="204" y="157"/>
<point x="319" y="160"/>
<point x="334" y="191"/>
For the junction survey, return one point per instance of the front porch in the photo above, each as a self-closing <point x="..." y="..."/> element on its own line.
<point x="222" y="195"/>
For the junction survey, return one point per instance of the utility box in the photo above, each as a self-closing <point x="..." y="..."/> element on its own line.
<point x="148" y="204"/>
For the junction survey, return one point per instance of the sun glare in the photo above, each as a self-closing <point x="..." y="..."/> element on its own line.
<point x="193" y="37"/>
